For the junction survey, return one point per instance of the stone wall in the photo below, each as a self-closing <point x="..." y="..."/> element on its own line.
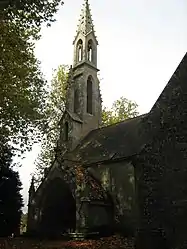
<point x="118" y="180"/>
<point x="100" y="218"/>
<point x="123" y="192"/>
<point x="90" y="121"/>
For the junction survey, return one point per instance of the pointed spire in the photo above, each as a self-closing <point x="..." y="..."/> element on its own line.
<point x="85" y="23"/>
<point x="32" y="188"/>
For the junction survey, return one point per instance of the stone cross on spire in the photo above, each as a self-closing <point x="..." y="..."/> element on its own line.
<point x="85" y="25"/>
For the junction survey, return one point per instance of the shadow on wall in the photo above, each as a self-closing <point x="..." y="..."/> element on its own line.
<point x="123" y="191"/>
<point x="101" y="219"/>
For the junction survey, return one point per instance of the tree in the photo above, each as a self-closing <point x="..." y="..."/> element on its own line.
<point x="29" y="14"/>
<point x="53" y="113"/>
<point x="121" y="109"/>
<point x="11" y="200"/>
<point x="22" y="85"/>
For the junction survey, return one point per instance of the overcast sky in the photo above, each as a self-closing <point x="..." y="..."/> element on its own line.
<point x="141" y="42"/>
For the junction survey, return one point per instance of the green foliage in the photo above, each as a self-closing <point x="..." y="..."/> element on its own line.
<point x="29" y="15"/>
<point x="21" y="85"/>
<point x="53" y="113"/>
<point x="121" y="109"/>
<point x="10" y="198"/>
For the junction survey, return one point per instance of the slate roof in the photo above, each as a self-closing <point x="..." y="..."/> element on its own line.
<point x="112" y="142"/>
<point x="170" y="108"/>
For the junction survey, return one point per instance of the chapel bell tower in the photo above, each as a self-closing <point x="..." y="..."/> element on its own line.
<point x="85" y="42"/>
<point x="83" y="101"/>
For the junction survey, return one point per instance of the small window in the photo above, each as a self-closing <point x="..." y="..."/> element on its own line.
<point x="90" y="51"/>
<point x="66" y="131"/>
<point x="79" y="50"/>
<point x="76" y="101"/>
<point x="80" y="54"/>
<point x="89" y="95"/>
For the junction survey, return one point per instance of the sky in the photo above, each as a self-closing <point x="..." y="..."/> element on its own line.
<point x="141" y="42"/>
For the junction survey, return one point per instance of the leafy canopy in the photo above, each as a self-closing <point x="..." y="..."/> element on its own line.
<point x="53" y="113"/>
<point x="29" y="14"/>
<point x="22" y="85"/>
<point x="121" y="109"/>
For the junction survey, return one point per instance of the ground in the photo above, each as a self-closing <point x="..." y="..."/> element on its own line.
<point x="114" y="242"/>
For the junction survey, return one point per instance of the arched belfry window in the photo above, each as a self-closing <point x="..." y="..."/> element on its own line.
<point x="79" y="50"/>
<point x="90" y="51"/>
<point x="89" y="95"/>
<point x="66" y="131"/>
<point x="76" y="101"/>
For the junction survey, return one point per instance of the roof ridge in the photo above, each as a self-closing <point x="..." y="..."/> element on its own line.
<point x="101" y="128"/>
<point x="125" y="120"/>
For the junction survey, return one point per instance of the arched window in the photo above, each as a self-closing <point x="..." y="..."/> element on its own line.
<point x="66" y="131"/>
<point x="90" y="50"/>
<point x="76" y="101"/>
<point x="79" y="50"/>
<point x="89" y="95"/>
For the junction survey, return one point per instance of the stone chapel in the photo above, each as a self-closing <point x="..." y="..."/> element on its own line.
<point x="126" y="177"/>
<point x="90" y="184"/>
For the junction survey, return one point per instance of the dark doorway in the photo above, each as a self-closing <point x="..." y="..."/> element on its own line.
<point x="58" y="209"/>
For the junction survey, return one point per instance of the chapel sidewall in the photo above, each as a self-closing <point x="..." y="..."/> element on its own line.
<point x="118" y="179"/>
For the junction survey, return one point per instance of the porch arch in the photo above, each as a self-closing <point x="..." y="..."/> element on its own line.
<point x="57" y="208"/>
